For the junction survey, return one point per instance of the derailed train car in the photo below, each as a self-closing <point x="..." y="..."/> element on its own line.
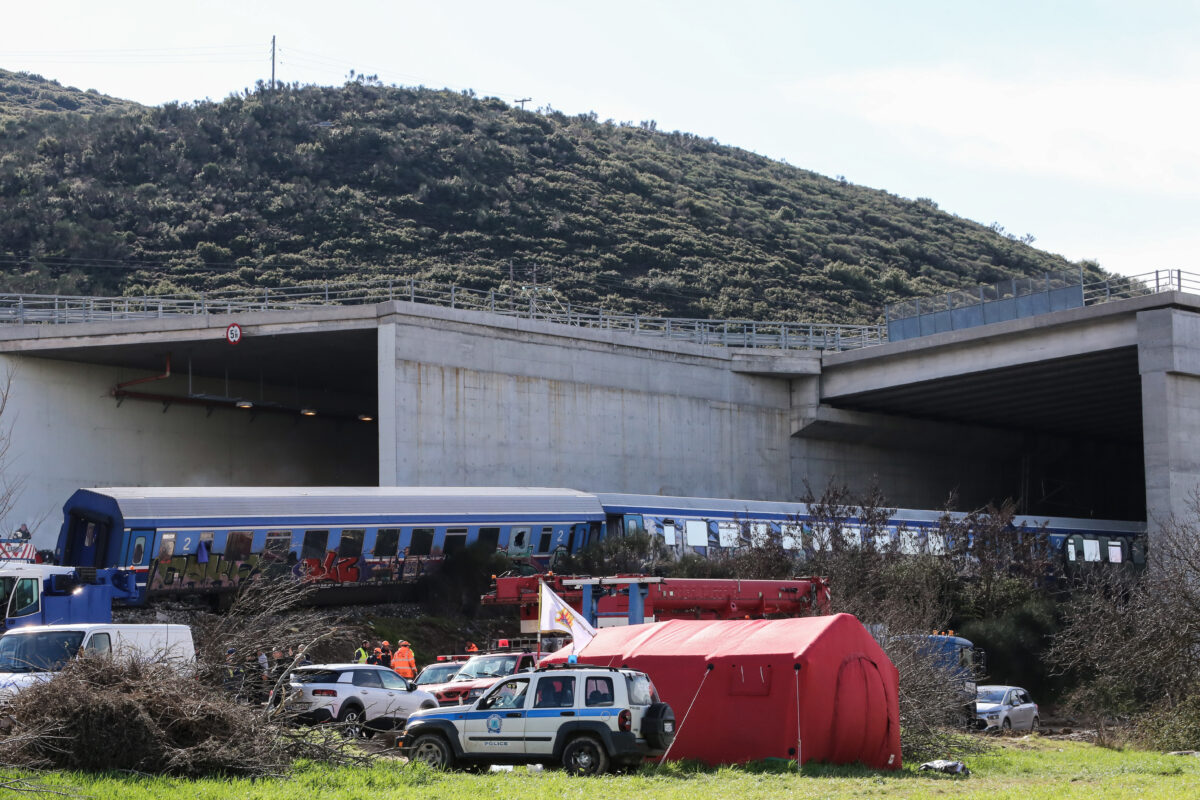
<point x="207" y="540"/>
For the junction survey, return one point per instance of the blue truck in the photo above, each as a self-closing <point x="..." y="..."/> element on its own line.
<point x="44" y="594"/>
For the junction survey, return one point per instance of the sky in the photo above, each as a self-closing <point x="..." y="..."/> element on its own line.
<point x="1075" y="122"/>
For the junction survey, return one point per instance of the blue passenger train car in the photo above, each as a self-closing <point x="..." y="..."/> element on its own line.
<point x="197" y="540"/>
<point x="700" y="525"/>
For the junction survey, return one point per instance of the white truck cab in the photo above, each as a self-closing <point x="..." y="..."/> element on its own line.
<point x="35" y="652"/>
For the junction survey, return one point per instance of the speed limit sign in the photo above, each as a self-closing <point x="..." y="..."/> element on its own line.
<point x="233" y="334"/>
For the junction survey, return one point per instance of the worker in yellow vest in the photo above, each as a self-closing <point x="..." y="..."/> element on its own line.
<point x="404" y="662"/>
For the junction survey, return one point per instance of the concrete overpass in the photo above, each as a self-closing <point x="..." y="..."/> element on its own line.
<point x="1088" y="412"/>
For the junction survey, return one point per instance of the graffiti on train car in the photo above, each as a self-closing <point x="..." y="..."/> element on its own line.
<point x="329" y="568"/>
<point x="192" y="571"/>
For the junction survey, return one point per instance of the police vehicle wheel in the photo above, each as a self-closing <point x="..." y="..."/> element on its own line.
<point x="1036" y="725"/>
<point x="585" y="755"/>
<point x="431" y="750"/>
<point x="1006" y="725"/>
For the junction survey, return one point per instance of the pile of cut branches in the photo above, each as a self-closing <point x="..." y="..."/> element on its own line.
<point x="101" y="714"/>
<point x="104" y="713"/>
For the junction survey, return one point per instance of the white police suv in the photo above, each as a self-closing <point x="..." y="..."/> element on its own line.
<point x="586" y="719"/>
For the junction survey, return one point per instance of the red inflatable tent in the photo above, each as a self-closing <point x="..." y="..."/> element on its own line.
<point x="744" y="690"/>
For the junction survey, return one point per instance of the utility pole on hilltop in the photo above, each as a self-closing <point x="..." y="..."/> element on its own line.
<point x="522" y="102"/>
<point x="272" y="62"/>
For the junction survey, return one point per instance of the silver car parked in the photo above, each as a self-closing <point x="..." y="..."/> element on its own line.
<point x="364" y="697"/>
<point x="1004" y="708"/>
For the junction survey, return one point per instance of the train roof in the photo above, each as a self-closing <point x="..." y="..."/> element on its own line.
<point x="651" y="503"/>
<point x="248" y="505"/>
<point x="618" y="503"/>
<point x="371" y="505"/>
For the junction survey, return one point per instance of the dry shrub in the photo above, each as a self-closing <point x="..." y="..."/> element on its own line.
<point x="104" y="713"/>
<point x="267" y="613"/>
<point x="1131" y="643"/>
<point x="101" y="713"/>
<point x="901" y="598"/>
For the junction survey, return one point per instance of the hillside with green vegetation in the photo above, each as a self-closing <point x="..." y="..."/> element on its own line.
<point x="23" y="94"/>
<point x="300" y="184"/>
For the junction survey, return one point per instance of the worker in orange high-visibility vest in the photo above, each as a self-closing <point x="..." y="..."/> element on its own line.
<point x="404" y="662"/>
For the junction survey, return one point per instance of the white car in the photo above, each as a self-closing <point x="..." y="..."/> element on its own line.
<point x="364" y="697"/>
<point x="586" y="719"/>
<point x="1005" y="708"/>
<point x="33" y="653"/>
<point x="437" y="673"/>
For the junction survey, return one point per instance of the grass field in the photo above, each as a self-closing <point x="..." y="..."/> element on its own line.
<point x="1024" y="768"/>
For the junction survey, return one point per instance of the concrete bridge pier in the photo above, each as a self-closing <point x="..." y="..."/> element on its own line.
<point x="1169" y="365"/>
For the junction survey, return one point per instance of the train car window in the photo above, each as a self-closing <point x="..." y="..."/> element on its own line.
<point x="166" y="547"/>
<point x="387" y="542"/>
<point x="455" y="540"/>
<point x="89" y="535"/>
<point x="1070" y="549"/>
<point x="315" y="545"/>
<point x="634" y="524"/>
<point x="545" y="539"/>
<point x="1091" y="550"/>
<point x="518" y="542"/>
<point x="277" y="545"/>
<point x="238" y="545"/>
<point x="792" y="537"/>
<point x="909" y="541"/>
<point x="595" y="533"/>
<point x="696" y="533"/>
<point x="206" y="539"/>
<point x="1115" y="553"/>
<point x="276" y="550"/>
<point x="935" y="543"/>
<point x="489" y="538"/>
<point x="729" y="534"/>
<point x="139" y="550"/>
<point x="422" y="542"/>
<point x="821" y="539"/>
<point x="852" y="536"/>
<point x="350" y="545"/>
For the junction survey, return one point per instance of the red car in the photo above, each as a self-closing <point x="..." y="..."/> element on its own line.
<point x="479" y="673"/>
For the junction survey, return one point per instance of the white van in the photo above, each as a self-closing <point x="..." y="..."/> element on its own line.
<point x="34" y="653"/>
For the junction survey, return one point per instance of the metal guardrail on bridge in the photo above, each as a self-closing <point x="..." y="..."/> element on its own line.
<point x="541" y="305"/>
<point x="534" y="305"/>
<point x="1024" y="296"/>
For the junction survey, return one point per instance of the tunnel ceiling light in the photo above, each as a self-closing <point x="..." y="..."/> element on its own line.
<point x="308" y="412"/>
<point x="244" y="404"/>
<point x="366" y="418"/>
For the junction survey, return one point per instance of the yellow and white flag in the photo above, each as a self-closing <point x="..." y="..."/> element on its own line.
<point x="555" y="616"/>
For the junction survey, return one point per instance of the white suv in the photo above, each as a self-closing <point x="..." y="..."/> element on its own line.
<point x="363" y="697"/>
<point x="585" y="719"/>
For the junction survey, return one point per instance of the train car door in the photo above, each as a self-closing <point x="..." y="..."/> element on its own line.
<point x="87" y="545"/>
<point x="137" y="548"/>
